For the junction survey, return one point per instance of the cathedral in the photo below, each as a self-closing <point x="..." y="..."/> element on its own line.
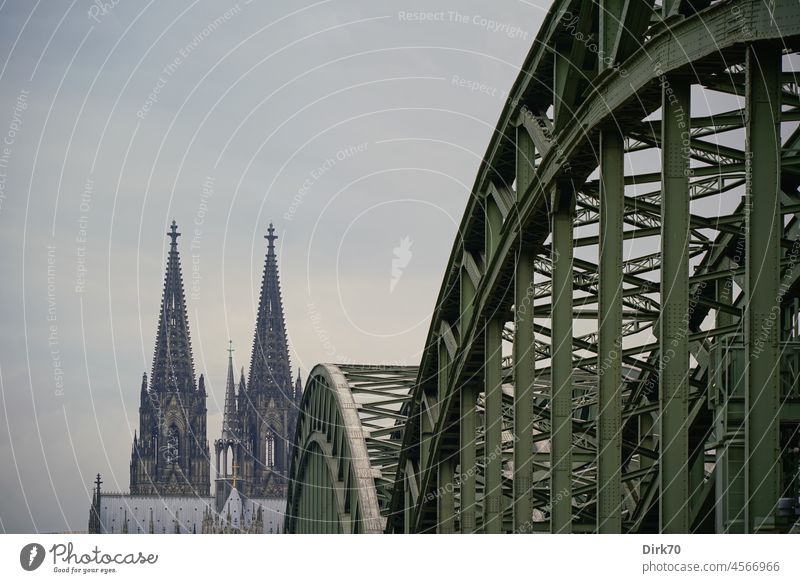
<point x="259" y="420"/>
<point x="170" y="468"/>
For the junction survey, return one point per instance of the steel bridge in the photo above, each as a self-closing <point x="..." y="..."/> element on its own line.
<point x="616" y="343"/>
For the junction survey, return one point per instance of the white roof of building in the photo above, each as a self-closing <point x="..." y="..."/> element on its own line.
<point x="184" y="514"/>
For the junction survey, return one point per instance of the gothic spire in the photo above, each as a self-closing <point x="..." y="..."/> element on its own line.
<point x="269" y="363"/>
<point x="230" y="419"/>
<point x="173" y="368"/>
<point x="143" y="394"/>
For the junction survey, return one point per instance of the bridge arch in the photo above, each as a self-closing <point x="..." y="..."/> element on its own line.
<point x="349" y="431"/>
<point x="624" y="370"/>
<point x="616" y="342"/>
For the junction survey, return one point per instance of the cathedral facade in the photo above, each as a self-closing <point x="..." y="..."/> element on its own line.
<point x="170" y="468"/>
<point x="170" y="454"/>
<point x="259" y="419"/>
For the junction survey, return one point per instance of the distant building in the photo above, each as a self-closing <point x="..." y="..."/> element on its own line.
<point x="259" y="421"/>
<point x="170" y="458"/>
<point x="115" y="513"/>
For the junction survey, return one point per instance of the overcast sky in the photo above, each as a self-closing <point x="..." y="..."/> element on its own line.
<point x="354" y="128"/>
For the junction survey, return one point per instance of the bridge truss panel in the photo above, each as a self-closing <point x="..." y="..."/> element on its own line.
<point x="349" y="432"/>
<point x="652" y="314"/>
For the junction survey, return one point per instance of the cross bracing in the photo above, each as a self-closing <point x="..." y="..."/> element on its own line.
<point x="615" y="344"/>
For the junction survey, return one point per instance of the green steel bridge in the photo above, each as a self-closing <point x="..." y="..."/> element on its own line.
<point x="616" y="343"/>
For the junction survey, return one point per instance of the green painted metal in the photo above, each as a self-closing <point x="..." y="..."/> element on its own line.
<point x="447" y="465"/>
<point x="674" y="320"/>
<point x="612" y="27"/>
<point x="650" y="437"/>
<point x="349" y="430"/>
<point x="493" y="415"/>
<point x="524" y="354"/>
<point x="727" y="386"/>
<point x="609" y="339"/>
<point x="762" y="319"/>
<point x="468" y="400"/>
<point x="493" y="419"/>
<point x="561" y="376"/>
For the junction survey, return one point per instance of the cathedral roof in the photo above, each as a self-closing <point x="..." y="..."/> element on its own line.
<point x="269" y="362"/>
<point x="173" y="368"/>
<point x="233" y="510"/>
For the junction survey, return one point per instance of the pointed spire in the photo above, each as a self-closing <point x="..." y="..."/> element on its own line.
<point x="298" y="387"/>
<point x="173" y="368"/>
<point x="230" y="419"/>
<point x="269" y="362"/>
<point x="201" y="385"/>
<point x="242" y="397"/>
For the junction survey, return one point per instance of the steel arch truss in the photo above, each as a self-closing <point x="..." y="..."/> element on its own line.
<point x="349" y="432"/>
<point x="615" y="345"/>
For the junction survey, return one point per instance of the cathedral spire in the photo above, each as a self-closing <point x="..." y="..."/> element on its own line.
<point x="144" y="393"/>
<point x="269" y="364"/>
<point x="173" y="369"/>
<point x="230" y="419"/>
<point x="298" y="387"/>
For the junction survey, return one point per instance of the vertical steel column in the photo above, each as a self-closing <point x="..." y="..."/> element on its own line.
<point x="328" y="504"/>
<point x="609" y="354"/>
<point x="674" y="333"/>
<point x="337" y="522"/>
<point x="302" y="507"/>
<point x="524" y="352"/>
<point x="334" y="511"/>
<point x="312" y="494"/>
<point x="762" y="319"/>
<point x="493" y="494"/>
<point x="316" y="504"/>
<point x="468" y="423"/>
<point x="524" y="375"/>
<point x="408" y="505"/>
<point x="324" y="490"/>
<point x="493" y="392"/>
<point x="728" y="398"/>
<point x="426" y="428"/>
<point x="445" y="491"/>
<point x="561" y="363"/>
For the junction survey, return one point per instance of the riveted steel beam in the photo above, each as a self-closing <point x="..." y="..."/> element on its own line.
<point x="762" y="311"/>
<point x="673" y="334"/>
<point x="493" y="392"/>
<point x="445" y="492"/>
<point x="524" y="355"/>
<point x="563" y="208"/>
<point x="468" y="399"/>
<point x="677" y="44"/>
<point x="493" y="423"/>
<point x="609" y="353"/>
